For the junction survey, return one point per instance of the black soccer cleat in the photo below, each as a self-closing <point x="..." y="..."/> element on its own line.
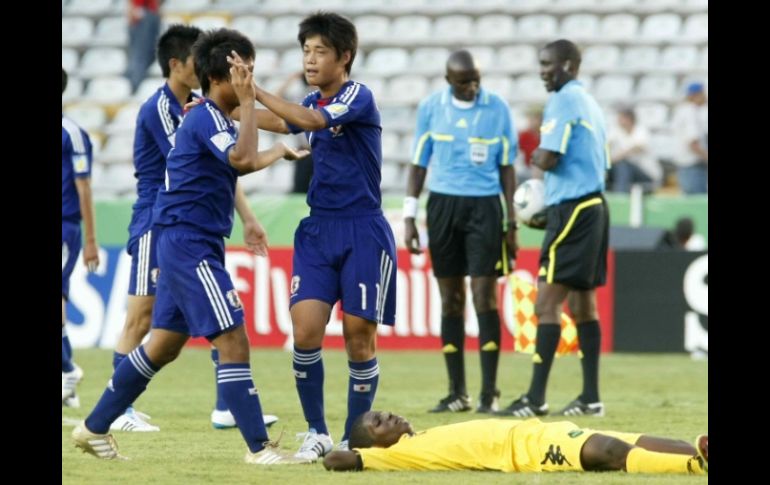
<point x="453" y="403"/>
<point x="523" y="408"/>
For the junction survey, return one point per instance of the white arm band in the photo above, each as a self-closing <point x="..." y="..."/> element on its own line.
<point x="410" y="207"/>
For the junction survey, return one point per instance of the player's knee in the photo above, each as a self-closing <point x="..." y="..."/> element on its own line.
<point x="546" y="311"/>
<point x="601" y="452"/>
<point x="306" y="337"/>
<point x="360" y="347"/>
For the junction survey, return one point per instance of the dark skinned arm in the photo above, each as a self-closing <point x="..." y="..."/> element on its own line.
<point x="341" y="461"/>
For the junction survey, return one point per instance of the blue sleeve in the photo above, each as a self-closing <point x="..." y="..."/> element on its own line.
<point x="293" y="129"/>
<point x="82" y="158"/>
<point x="159" y="123"/>
<point x="213" y="130"/>
<point x="510" y="140"/>
<point x="558" y="119"/>
<point x="356" y="103"/>
<point x="423" y="144"/>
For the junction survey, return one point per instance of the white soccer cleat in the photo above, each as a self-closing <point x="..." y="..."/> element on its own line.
<point x="342" y="446"/>
<point x="69" y="382"/>
<point x="271" y="454"/>
<point x="132" y="421"/>
<point x="225" y="419"/>
<point x="102" y="446"/>
<point x="314" y="446"/>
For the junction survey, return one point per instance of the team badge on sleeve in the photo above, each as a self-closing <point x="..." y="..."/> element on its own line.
<point x="336" y="110"/>
<point x="222" y="140"/>
<point x="548" y="126"/>
<point x="80" y="163"/>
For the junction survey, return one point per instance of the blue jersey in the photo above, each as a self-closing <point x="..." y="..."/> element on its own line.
<point x="573" y="125"/>
<point x="199" y="190"/>
<point x="347" y="154"/>
<point x="156" y="125"/>
<point x="466" y="147"/>
<point x="75" y="162"/>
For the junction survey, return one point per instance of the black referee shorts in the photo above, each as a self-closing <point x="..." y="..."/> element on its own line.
<point x="574" y="251"/>
<point x="465" y="234"/>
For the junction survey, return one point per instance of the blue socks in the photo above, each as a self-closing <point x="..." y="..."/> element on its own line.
<point x="362" y="386"/>
<point x="309" y="376"/>
<point x="220" y="404"/>
<point x="235" y="385"/>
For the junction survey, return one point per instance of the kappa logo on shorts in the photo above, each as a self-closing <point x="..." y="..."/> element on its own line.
<point x="234" y="300"/>
<point x="294" y="285"/>
<point x="154" y="275"/>
<point x="555" y="456"/>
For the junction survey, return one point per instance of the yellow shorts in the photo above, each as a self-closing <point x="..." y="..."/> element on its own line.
<point x="556" y="446"/>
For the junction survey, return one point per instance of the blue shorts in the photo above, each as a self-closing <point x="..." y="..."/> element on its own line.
<point x="352" y="259"/>
<point x="144" y="266"/>
<point x="195" y="294"/>
<point x="70" y="249"/>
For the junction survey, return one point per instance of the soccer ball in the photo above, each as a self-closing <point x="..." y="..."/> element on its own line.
<point x="529" y="199"/>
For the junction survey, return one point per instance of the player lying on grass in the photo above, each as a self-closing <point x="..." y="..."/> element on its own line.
<point x="384" y="441"/>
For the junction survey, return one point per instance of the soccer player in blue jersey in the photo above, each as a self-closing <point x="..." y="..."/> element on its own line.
<point x="192" y="215"/>
<point x="345" y="249"/>
<point x="573" y="259"/>
<point x="465" y="132"/>
<point x="76" y="205"/>
<point x="156" y="125"/>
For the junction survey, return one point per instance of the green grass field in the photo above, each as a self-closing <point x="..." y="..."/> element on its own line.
<point x="658" y="394"/>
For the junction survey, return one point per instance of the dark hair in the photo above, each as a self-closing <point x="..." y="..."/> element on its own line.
<point x="359" y="435"/>
<point x="176" y="43"/>
<point x="63" y="80"/>
<point x="565" y="51"/>
<point x="211" y="51"/>
<point x="628" y="112"/>
<point x="335" y="30"/>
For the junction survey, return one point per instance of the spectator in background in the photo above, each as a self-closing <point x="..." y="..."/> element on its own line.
<point x="683" y="237"/>
<point x="632" y="161"/>
<point x="143" y="32"/>
<point x="529" y="139"/>
<point x="295" y="88"/>
<point x="690" y="127"/>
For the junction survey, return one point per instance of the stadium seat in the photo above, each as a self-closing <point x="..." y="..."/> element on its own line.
<point x="703" y="59"/>
<point x="124" y="121"/>
<point x="147" y="88"/>
<point x="108" y="90"/>
<point x="484" y="57"/>
<point x="494" y="28"/>
<point x="580" y="27"/>
<point x="392" y="178"/>
<point x="664" y="146"/>
<point x="503" y="86"/>
<point x="103" y="61"/>
<point x="600" y="58"/>
<point x="660" y="27"/>
<point x="91" y="8"/>
<point x="76" y="31"/>
<point x="410" y="30"/>
<point x="89" y="116"/>
<point x="397" y="118"/>
<point x="291" y="60"/>
<point x="186" y="6"/>
<point x="639" y="59"/>
<point x="569" y="6"/>
<point x="390" y="145"/>
<point x="696" y="28"/>
<point x="69" y="60"/>
<point x="537" y="27"/>
<point x="408" y="89"/>
<point x="372" y="29"/>
<point x="281" y="177"/>
<point x="119" y="149"/>
<point x="530" y="88"/>
<point x="652" y="115"/>
<point x="429" y="60"/>
<point x="516" y="59"/>
<point x="387" y="61"/>
<point x="74" y="89"/>
<point x="376" y="85"/>
<point x="234" y="7"/>
<point x="111" y="31"/>
<point x="613" y="87"/>
<point x="657" y="87"/>
<point x="679" y="58"/>
<point x="283" y="30"/>
<point x="619" y="27"/>
<point x="117" y="179"/>
<point x="210" y="22"/>
<point x="266" y="60"/>
<point x="253" y="26"/>
<point x="453" y="29"/>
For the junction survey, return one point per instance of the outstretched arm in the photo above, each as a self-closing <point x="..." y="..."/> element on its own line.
<point x="305" y="118"/>
<point x="339" y="461"/>
<point x="254" y="234"/>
